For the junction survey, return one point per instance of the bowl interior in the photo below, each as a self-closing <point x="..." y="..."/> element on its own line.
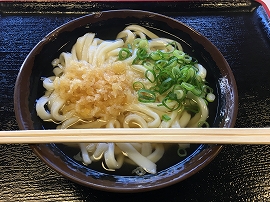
<point x="222" y="113"/>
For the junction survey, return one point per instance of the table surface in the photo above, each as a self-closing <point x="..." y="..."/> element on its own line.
<point x="239" y="29"/>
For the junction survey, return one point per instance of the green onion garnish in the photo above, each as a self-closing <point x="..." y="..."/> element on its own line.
<point x="124" y="53"/>
<point x="172" y="74"/>
<point x="165" y="117"/>
<point x="145" y="95"/>
<point x="138" y="85"/>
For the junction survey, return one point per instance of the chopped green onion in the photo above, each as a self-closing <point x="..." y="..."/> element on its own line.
<point x="165" y="117"/>
<point x="142" y="53"/>
<point x="173" y="44"/>
<point x="166" y="55"/>
<point x="172" y="62"/>
<point x="179" y="54"/>
<point x="137" y="61"/>
<point x="136" y="42"/>
<point x="181" y="152"/>
<point x="166" y="85"/>
<point x="138" y="85"/>
<point x="187" y="86"/>
<point x="210" y="97"/>
<point x="143" y="43"/>
<point x="161" y="63"/>
<point x="148" y="74"/>
<point x="167" y="100"/>
<point x="148" y="65"/>
<point x="145" y="96"/>
<point x="196" y="91"/>
<point x="179" y="94"/>
<point x="207" y="89"/>
<point x="176" y="71"/>
<point x="172" y="74"/>
<point x="124" y="53"/>
<point x="187" y="58"/>
<point x="171" y="96"/>
<point x="129" y="46"/>
<point x="157" y="55"/>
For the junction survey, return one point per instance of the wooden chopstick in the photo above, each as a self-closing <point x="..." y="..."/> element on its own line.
<point x="161" y="135"/>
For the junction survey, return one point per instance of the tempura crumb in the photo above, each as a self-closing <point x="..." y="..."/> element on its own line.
<point x="94" y="92"/>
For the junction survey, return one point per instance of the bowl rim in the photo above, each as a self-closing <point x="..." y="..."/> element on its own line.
<point x="21" y="102"/>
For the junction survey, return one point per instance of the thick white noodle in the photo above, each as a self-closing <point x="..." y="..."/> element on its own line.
<point x="77" y="48"/>
<point x="48" y="83"/>
<point x="141" y="29"/>
<point x="114" y="53"/>
<point x="140" y="34"/>
<point x="91" y="51"/>
<point x="103" y="52"/>
<point x="199" y="117"/>
<point x="144" y="116"/>
<point x="134" y="119"/>
<point x="139" y="159"/>
<point x="139" y="68"/>
<point x="113" y="124"/>
<point x="64" y="60"/>
<point x="85" y="155"/>
<point x="157" y="154"/>
<point x="127" y="35"/>
<point x="100" y="149"/>
<point x="55" y="110"/>
<point x="57" y="71"/>
<point x="87" y="43"/>
<point x="130" y="59"/>
<point x="146" y="149"/>
<point x="160" y="107"/>
<point x="91" y="147"/>
<point x="157" y="44"/>
<point x="137" y="146"/>
<point x="110" y="160"/>
<point x="97" y="52"/>
<point x="146" y="110"/>
<point x="40" y="108"/>
<point x="69" y="122"/>
<point x="92" y="124"/>
<point x="168" y="124"/>
<point x="161" y="43"/>
<point x="184" y="120"/>
<point x="201" y="71"/>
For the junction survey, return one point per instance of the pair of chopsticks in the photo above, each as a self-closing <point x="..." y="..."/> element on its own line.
<point x="161" y="135"/>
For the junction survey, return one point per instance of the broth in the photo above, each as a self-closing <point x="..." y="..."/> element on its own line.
<point x="169" y="159"/>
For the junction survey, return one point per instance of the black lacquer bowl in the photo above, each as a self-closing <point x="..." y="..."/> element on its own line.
<point x="106" y="25"/>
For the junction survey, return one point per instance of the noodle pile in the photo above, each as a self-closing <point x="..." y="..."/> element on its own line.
<point x="113" y="84"/>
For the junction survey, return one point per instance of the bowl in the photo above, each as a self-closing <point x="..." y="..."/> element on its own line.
<point x="106" y="25"/>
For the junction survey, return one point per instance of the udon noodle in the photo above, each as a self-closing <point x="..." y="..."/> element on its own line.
<point x="123" y="83"/>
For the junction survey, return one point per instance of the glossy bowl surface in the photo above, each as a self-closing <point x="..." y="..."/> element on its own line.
<point x="106" y="25"/>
